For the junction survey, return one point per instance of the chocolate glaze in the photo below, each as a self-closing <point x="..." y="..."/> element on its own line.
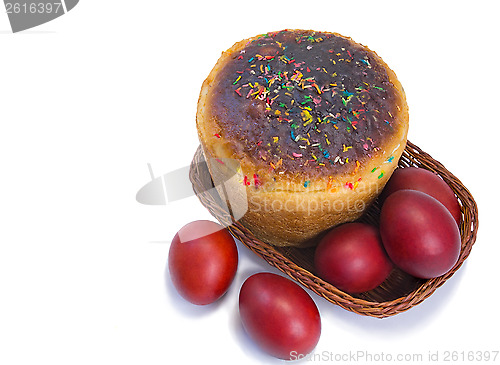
<point x="303" y="101"/>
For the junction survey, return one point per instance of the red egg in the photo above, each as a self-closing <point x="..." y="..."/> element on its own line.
<point x="202" y="261"/>
<point x="279" y="316"/>
<point x="352" y="258"/>
<point x="419" y="234"/>
<point x="427" y="182"/>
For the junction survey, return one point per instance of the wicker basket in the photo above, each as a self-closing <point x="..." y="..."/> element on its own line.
<point x="397" y="294"/>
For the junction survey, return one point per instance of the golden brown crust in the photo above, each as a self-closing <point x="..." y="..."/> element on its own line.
<point x="292" y="209"/>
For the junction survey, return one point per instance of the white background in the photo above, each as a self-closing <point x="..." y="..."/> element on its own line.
<point x="86" y="101"/>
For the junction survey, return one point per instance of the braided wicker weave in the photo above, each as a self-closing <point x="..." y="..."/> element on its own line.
<point x="397" y="294"/>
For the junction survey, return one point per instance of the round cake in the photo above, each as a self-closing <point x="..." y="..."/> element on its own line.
<point x="300" y="130"/>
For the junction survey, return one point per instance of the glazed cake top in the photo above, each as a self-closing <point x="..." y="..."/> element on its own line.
<point x="306" y="101"/>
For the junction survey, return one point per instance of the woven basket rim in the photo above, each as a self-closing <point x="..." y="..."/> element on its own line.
<point x="412" y="156"/>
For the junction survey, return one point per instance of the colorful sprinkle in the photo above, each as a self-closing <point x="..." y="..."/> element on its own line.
<point x="330" y="183"/>
<point x="256" y="180"/>
<point x="357" y="166"/>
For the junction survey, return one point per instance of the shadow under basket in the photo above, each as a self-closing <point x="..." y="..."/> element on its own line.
<point x="398" y="293"/>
